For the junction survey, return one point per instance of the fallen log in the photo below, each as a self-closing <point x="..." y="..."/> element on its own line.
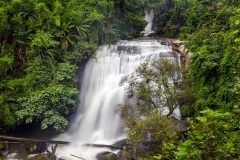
<point x="104" y="145"/>
<point x="53" y="152"/>
<point x="77" y="157"/>
<point x="18" y="139"/>
<point x="6" y="142"/>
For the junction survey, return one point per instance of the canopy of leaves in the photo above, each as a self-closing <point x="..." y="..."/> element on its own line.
<point x="154" y="86"/>
<point x="211" y="31"/>
<point x="42" y="43"/>
<point x="215" y="135"/>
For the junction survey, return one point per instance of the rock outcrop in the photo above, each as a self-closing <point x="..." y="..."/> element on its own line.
<point x="178" y="47"/>
<point x="107" y="156"/>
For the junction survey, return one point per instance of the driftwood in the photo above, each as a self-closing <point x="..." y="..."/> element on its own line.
<point x="104" y="145"/>
<point x="16" y="140"/>
<point x="77" y="157"/>
<point x="53" y="152"/>
<point x="28" y="140"/>
<point x="6" y="142"/>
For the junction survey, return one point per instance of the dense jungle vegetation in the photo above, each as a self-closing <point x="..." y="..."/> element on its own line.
<point x="210" y="93"/>
<point x="43" y="42"/>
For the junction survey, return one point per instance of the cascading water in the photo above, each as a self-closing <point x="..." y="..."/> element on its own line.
<point x="149" y="19"/>
<point x="102" y="89"/>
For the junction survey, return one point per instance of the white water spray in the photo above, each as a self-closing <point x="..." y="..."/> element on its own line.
<point x="102" y="89"/>
<point x="149" y="19"/>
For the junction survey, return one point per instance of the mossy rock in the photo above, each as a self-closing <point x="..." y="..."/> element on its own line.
<point x="40" y="157"/>
<point x="106" y="156"/>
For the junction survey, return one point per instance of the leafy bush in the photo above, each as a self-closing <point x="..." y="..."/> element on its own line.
<point x="214" y="135"/>
<point x="149" y="132"/>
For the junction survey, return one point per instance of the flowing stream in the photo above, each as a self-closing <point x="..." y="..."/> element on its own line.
<point x="102" y="88"/>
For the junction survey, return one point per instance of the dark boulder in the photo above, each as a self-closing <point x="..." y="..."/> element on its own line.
<point x="180" y="126"/>
<point x="120" y="143"/>
<point x="107" y="156"/>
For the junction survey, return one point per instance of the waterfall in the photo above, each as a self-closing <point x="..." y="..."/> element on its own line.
<point x="100" y="93"/>
<point x="149" y="19"/>
<point x="102" y="88"/>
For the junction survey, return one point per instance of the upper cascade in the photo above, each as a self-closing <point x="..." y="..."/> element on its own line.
<point x="149" y="15"/>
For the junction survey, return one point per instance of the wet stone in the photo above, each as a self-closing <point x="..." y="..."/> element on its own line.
<point x="106" y="156"/>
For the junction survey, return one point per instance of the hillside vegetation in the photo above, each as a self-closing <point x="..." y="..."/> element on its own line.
<point x="209" y="93"/>
<point x="42" y="43"/>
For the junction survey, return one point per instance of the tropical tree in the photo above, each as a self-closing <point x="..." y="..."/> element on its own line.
<point x="40" y="41"/>
<point x="153" y="87"/>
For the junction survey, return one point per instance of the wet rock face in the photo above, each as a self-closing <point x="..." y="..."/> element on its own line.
<point x="106" y="156"/>
<point x="121" y="143"/>
<point x="178" y="47"/>
<point x="180" y="126"/>
<point x="23" y="150"/>
<point x="16" y="151"/>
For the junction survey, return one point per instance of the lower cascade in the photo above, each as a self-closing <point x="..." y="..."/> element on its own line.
<point x="103" y="87"/>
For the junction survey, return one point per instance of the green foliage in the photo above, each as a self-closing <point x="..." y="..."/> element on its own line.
<point x="211" y="29"/>
<point x="5" y="63"/>
<point x="214" y="135"/>
<point x="213" y="66"/>
<point x="186" y="98"/>
<point x="148" y="130"/>
<point x="154" y="133"/>
<point x="41" y="44"/>
<point x="149" y="135"/>
<point x="129" y="17"/>
<point x="50" y="105"/>
<point x="150" y="85"/>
